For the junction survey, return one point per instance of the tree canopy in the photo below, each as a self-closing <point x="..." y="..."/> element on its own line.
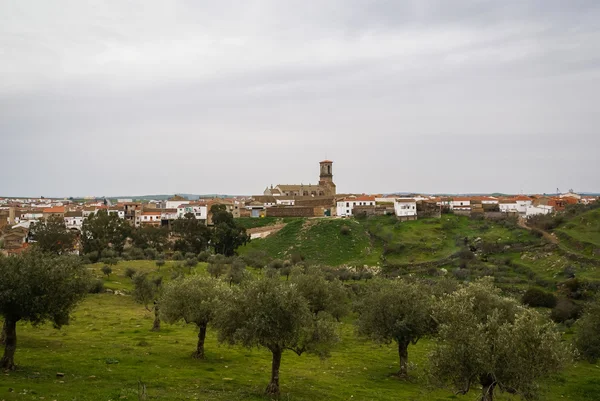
<point x="227" y="235"/>
<point x="273" y="314"/>
<point x="51" y="235"/>
<point x="35" y="288"/>
<point x="102" y="231"/>
<point x="151" y="237"/>
<point x="193" y="299"/>
<point x="491" y="340"/>
<point x="192" y="234"/>
<point x="396" y="311"/>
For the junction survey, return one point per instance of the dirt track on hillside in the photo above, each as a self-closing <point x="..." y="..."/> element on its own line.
<point x="550" y="237"/>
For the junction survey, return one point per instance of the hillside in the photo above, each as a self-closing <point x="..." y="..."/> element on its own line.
<point x="385" y="240"/>
<point x="581" y="234"/>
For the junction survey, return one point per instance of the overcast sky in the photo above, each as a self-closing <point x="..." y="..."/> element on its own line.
<point x="151" y="97"/>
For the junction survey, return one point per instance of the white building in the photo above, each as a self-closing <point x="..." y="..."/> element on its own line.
<point x="168" y="214"/>
<point x="405" y="207"/>
<point x="74" y="220"/>
<point x="460" y="203"/>
<point x="174" y="203"/>
<point x="200" y="211"/>
<point x="344" y="206"/>
<point x="540" y="209"/>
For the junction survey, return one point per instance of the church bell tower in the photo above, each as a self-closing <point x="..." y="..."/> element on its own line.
<point x="326" y="177"/>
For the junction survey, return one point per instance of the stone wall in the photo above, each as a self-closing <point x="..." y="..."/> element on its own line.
<point x="294" y="211"/>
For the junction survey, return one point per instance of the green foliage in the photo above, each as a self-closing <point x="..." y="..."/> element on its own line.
<point x="272" y="314"/>
<point x="52" y="236"/>
<point x="193" y="299"/>
<point x="96" y="287"/>
<point x="396" y="311"/>
<point x="152" y="237"/>
<point x="227" y="235"/>
<point x="192" y="235"/>
<point x="536" y="297"/>
<point x="129" y="272"/>
<point x="160" y="263"/>
<point x="490" y="340"/>
<point x="35" y="288"/>
<point x="106" y="270"/>
<point x="322" y="295"/>
<point x="145" y="291"/>
<point x="587" y="338"/>
<point x="102" y="231"/>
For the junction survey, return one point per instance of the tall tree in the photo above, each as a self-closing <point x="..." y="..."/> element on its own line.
<point x="192" y="234"/>
<point x="102" y="231"/>
<point x="491" y="340"/>
<point x="273" y="314"/>
<point x="587" y="337"/>
<point x="51" y="235"/>
<point x="227" y="235"/>
<point x="396" y="311"/>
<point x="193" y="299"/>
<point x="35" y="288"/>
<point x="151" y="237"/>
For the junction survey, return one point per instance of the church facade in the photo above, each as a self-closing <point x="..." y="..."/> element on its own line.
<point x="325" y="187"/>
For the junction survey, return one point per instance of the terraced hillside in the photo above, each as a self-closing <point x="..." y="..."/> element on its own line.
<point x="581" y="234"/>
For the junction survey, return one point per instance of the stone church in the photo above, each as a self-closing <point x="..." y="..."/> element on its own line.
<point x="326" y="187"/>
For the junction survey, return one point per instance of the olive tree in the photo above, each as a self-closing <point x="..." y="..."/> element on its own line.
<point x="396" y="311"/>
<point x="272" y="314"/>
<point x="193" y="299"/>
<point x="587" y="338"/>
<point x="322" y="295"/>
<point x="36" y="288"/>
<point x="147" y="291"/>
<point x="491" y="340"/>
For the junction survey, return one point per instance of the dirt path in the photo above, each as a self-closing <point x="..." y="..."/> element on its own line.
<point x="262" y="232"/>
<point x="549" y="236"/>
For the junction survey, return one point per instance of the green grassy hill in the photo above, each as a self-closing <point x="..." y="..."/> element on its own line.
<point x="384" y="239"/>
<point x="581" y="234"/>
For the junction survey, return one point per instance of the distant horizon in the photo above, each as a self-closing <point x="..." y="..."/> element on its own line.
<point x="206" y="195"/>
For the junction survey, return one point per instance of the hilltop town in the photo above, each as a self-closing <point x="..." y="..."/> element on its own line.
<point x="282" y="200"/>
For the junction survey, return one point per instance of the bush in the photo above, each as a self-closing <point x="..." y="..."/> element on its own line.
<point x="192" y="262"/>
<point x="189" y="255"/>
<point x="106" y="270"/>
<point x="203" y="256"/>
<point x="461" y="274"/>
<point x="130" y="272"/>
<point x="536" y="297"/>
<point x="150" y="253"/>
<point x="587" y="338"/>
<point x="177" y="255"/>
<point x="345" y="230"/>
<point x="276" y="264"/>
<point x="257" y="259"/>
<point x="136" y="254"/>
<point x="565" y="310"/>
<point x="296" y="257"/>
<point x="160" y="263"/>
<point x="96" y="287"/>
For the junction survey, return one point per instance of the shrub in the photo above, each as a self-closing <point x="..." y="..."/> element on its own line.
<point x="130" y="272"/>
<point x="345" y="230"/>
<point x="461" y="274"/>
<point x="136" y="254"/>
<point x="177" y="255"/>
<point x="189" y="255"/>
<point x="160" y="263"/>
<point x="106" y="270"/>
<point x="150" y="253"/>
<point x="96" y="287"/>
<point x="192" y="262"/>
<point x="296" y="257"/>
<point x="93" y="256"/>
<point x="276" y="264"/>
<point x="564" y="311"/>
<point x="203" y="256"/>
<point x="587" y="338"/>
<point x="536" y="297"/>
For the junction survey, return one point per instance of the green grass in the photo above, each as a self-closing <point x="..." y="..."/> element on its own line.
<point x="425" y="240"/>
<point x="581" y="234"/>
<point x="108" y="347"/>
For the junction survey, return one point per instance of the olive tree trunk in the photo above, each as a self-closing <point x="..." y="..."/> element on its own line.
<point x="273" y="387"/>
<point x="199" y="354"/>
<point x="10" y="345"/>
<point x="487" y="387"/>
<point x="156" y="324"/>
<point x="3" y="333"/>
<point x="403" y="354"/>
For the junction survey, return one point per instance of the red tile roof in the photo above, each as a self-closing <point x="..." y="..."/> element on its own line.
<point x="58" y="209"/>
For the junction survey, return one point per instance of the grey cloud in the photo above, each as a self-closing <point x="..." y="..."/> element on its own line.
<point x="433" y="96"/>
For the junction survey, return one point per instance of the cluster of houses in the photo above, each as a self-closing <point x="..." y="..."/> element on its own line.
<point x="303" y="200"/>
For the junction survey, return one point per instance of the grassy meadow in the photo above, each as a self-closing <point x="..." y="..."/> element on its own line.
<point x="107" y="350"/>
